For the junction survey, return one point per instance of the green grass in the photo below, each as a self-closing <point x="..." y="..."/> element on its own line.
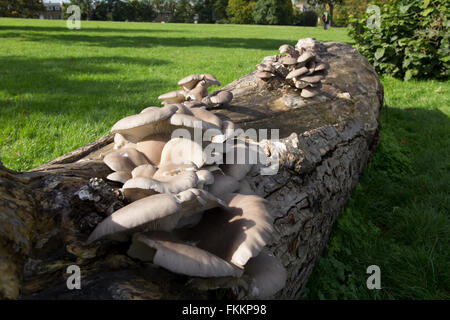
<point x="60" y="89"/>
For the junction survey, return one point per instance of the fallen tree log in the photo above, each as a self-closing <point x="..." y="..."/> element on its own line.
<point x="47" y="213"/>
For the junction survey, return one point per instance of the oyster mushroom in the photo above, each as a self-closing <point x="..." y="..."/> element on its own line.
<point x="173" y="96"/>
<point x="211" y="79"/>
<point x="267" y="273"/>
<point x="309" y="92"/>
<point x="189" y="82"/>
<point x="125" y="159"/>
<point x="206" y="116"/>
<point x="140" y="187"/>
<point x="156" y="212"/>
<point x="264" y="75"/>
<point x="119" y="176"/>
<point x="305" y="57"/>
<point x="145" y="170"/>
<point x="265" y="67"/>
<point x="220" y="97"/>
<point x="288" y="60"/>
<point x="172" y="169"/>
<point x="182" y="151"/>
<point x="297" y="73"/>
<point x="245" y="223"/>
<point x="152" y="146"/>
<point x="290" y="50"/>
<point x="136" y="127"/>
<point x="199" y="92"/>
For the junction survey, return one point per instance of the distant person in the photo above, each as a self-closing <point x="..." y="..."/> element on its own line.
<point x="325" y="19"/>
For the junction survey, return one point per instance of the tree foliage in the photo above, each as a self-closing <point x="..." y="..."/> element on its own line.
<point x="184" y="12"/>
<point x="412" y="40"/>
<point x="240" y="11"/>
<point x="306" y="18"/>
<point x="21" y="8"/>
<point x="273" y="12"/>
<point x="330" y="3"/>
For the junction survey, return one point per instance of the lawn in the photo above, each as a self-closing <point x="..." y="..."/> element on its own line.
<point x="60" y="89"/>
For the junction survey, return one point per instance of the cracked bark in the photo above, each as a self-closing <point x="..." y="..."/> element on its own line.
<point x="48" y="212"/>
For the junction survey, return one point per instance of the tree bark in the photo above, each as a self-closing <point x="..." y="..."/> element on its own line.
<point x="47" y="213"/>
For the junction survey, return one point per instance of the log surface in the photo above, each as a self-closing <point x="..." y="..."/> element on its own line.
<point x="47" y="213"/>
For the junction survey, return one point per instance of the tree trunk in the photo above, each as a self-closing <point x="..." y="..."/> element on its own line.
<point x="47" y="213"/>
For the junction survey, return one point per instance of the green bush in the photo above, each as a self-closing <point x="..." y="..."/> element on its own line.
<point x="307" y="18"/>
<point x="412" y="40"/>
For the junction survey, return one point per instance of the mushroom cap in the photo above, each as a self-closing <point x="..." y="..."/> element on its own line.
<point x="307" y="43"/>
<point x="207" y="116"/>
<point x="288" y="60"/>
<point x="297" y="72"/>
<point x="268" y="275"/>
<point x="125" y="159"/>
<point x="173" y="96"/>
<point x="286" y="48"/>
<point x="199" y="92"/>
<point x="138" y="214"/>
<point x="119" y="176"/>
<point x="145" y="170"/>
<point x="309" y="92"/>
<point x="223" y="184"/>
<point x="305" y="57"/>
<point x="140" y="187"/>
<point x="222" y="97"/>
<point x="193" y="104"/>
<point x="228" y="129"/>
<point x="190" y="81"/>
<point x="237" y="163"/>
<point x="246" y="224"/>
<point x="182" y="258"/>
<point x="141" y="125"/>
<point x="172" y="169"/>
<point x="320" y="66"/>
<point x="265" y="67"/>
<point x="121" y="142"/>
<point x="181" y="151"/>
<point x="152" y="146"/>
<point x="264" y="74"/>
<point x="311" y="79"/>
<point x="189" y="121"/>
<point x="211" y="79"/>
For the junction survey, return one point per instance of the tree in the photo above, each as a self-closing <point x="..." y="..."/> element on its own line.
<point x="205" y="10"/>
<point x="86" y="8"/>
<point x="220" y="10"/>
<point x="183" y="11"/>
<point x="21" y="8"/>
<point x="330" y="3"/>
<point x="240" y="11"/>
<point x="273" y="12"/>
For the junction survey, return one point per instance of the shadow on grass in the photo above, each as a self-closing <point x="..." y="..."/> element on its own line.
<point x="56" y="84"/>
<point x="85" y="36"/>
<point x="397" y="217"/>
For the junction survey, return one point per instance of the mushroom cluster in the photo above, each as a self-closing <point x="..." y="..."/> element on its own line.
<point x="194" y="92"/>
<point x="298" y="66"/>
<point x="191" y="209"/>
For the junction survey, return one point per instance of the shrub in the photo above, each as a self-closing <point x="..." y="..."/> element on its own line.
<point x="307" y="18"/>
<point x="273" y="12"/>
<point x="412" y="41"/>
<point x="240" y="11"/>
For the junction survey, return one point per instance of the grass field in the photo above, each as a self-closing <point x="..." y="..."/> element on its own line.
<point x="60" y="89"/>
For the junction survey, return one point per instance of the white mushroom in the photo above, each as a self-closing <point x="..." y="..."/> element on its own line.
<point x="145" y="170"/>
<point x="173" y="96"/>
<point x="152" y="146"/>
<point x="125" y="159"/>
<point x="267" y="273"/>
<point x="141" y="187"/>
<point x="119" y="176"/>
<point x="141" y="125"/>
